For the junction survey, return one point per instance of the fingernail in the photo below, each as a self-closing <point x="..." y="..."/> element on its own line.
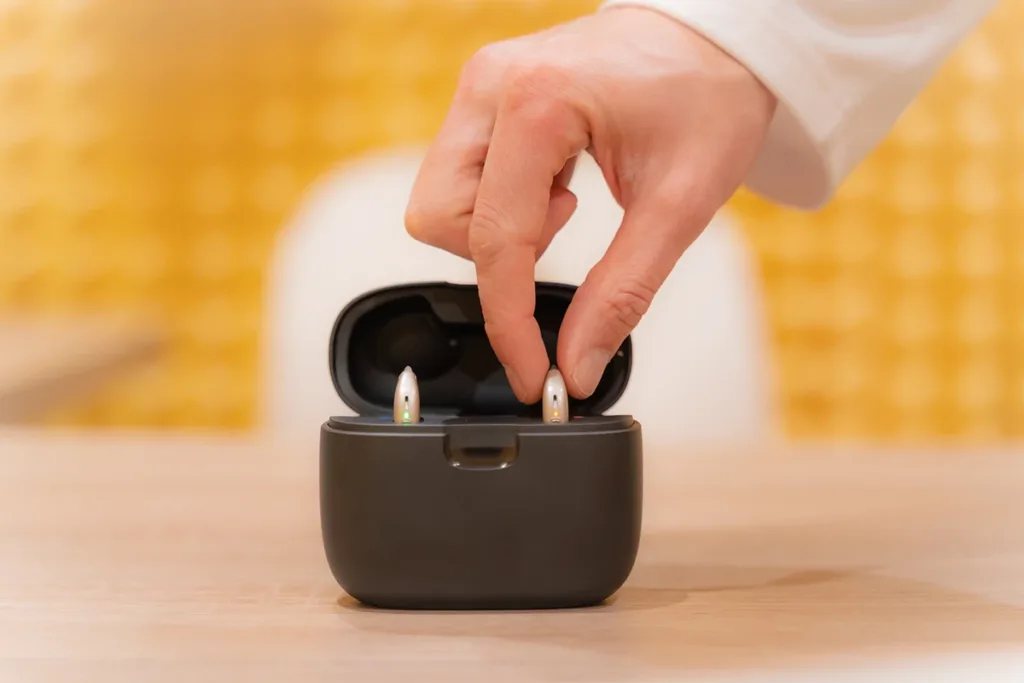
<point x="590" y="369"/>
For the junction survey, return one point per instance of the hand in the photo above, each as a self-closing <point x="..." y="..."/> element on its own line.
<point x="673" y="122"/>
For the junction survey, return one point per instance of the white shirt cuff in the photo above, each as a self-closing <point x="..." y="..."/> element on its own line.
<point x="793" y="166"/>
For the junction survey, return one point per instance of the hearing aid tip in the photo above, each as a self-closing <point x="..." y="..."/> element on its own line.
<point x="407" y="398"/>
<point x="555" y="406"/>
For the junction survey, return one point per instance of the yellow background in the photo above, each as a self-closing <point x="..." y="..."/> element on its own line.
<point x="149" y="151"/>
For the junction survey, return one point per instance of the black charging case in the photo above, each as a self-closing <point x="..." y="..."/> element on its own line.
<point x="481" y="505"/>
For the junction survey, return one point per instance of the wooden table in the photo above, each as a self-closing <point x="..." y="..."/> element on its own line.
<point x="46" y="362"/>
<point x="157" y="558"/>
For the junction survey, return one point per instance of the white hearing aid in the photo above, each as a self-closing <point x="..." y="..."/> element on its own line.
<point x="555" y="399"/>
<point x="407" y="398"/>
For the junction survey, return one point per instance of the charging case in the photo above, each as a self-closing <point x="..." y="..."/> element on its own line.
<point x="480" y="505"/>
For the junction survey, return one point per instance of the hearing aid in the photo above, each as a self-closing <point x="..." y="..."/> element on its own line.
<point x="407" y="398"/>
<point x="555" y="399"/>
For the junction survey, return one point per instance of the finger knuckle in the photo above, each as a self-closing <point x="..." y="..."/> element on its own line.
<point x="534" y="91"/>
<point x="485" y="249"/>
<point x="484" y="67"/>
<point x="628" y="304"/>
<point x="486" y="234"/>
<point x="422" y="222"/>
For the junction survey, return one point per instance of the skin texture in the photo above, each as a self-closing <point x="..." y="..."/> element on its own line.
<point x="672" y="120"/>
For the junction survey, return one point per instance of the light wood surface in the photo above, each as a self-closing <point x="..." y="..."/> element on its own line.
<point x="48" y="362"/>
<point x="157" y="558"/>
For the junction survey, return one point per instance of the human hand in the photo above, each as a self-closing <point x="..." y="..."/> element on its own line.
<point x="673" y="122"/>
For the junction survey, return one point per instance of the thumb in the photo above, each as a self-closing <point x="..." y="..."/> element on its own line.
<point x="619" y="289"/>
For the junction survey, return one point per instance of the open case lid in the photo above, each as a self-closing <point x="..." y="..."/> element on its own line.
<point x="437" y="329"/>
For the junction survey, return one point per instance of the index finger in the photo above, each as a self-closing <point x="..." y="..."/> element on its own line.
<point x="533" y="138"/>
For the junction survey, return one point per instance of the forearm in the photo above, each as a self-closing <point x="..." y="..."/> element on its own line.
<point x="843" y="72"/>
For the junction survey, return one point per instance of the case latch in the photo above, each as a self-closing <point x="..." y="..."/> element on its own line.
<point x="489" y="446"/>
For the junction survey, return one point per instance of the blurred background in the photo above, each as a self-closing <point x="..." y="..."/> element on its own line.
<point x="151" y="153"/>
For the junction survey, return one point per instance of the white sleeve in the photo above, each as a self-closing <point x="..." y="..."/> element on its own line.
<point x="843" y="72"/>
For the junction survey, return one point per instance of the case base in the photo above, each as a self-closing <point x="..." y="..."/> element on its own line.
<point x="481" y="513"/>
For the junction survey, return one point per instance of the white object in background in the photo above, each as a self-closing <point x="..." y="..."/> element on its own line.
<point x="348" y="239"/>
<point x="700" y="354"/>
<point x="700" y="371"/>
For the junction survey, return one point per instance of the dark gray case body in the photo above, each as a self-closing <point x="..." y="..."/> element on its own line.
<point x="481" y="505"/>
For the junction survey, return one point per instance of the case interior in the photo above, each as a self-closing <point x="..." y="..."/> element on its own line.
<point x="437" y="329"/>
